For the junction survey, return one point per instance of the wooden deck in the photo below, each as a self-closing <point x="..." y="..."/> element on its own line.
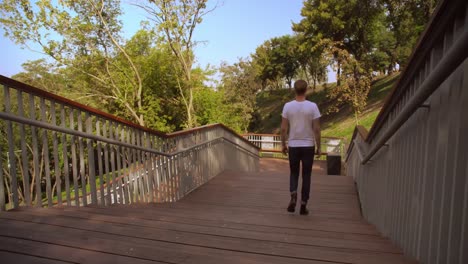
<point x="235" y="218"/>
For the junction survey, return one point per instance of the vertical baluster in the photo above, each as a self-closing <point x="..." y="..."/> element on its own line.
<point x="24" y="153"/>
<point x="141" y="170"/>
<point x="58" y="180"/>
<point x="91" y="163"/>
<point x="172" y="177"/>
<point x="37" y="176"/>
<point x="106" y="164"/>
<point x="74" y="161"/>
<point x="2" y="183"/>
<point x="164" y="174"/>
<point x="131" y="166"/>
<point x="100" y="167"/>
<point x="113" y="159"/>
<point x="149" y="169"/>
<point x="168" y="179"/>
<point x="135" y="166"/>
<point x="45" y="151"/>
<point x="125" y="171"/>
<point x="84" y="193"/>
<point x="118" y="180"/>
<point x="66" y="172"/>
<point x="160" y="179"/>
<point x="11" y="150"/>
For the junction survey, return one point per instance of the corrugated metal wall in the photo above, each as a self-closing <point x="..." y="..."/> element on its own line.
<point x="415" y="188"/>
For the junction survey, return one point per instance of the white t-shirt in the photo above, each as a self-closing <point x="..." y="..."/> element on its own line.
<point x="300" y="116"/>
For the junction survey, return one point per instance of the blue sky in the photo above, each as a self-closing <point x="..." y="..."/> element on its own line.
<point x="231" y="31"/>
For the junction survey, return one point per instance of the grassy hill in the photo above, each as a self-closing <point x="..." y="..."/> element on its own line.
<point x="341" y="124"/>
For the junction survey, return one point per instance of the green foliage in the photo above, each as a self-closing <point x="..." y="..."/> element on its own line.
<point x="150" y="77"/>
<point x="355" y="81"/>
<point x="177" y="20"/>
<point x="277" y="59"/>
<point x="85" y="37"/>
<point x="239" y="86"/>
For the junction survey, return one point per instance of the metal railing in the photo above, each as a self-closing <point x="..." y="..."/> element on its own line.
<point x="54" y="151"/>
<point x="271" y="143"/>
<point x="411" y="168"/>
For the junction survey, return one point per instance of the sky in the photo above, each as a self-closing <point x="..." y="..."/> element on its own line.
<point x="232" y="31"/>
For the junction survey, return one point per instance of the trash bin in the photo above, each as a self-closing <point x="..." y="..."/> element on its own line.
<point x="333" y="164"/>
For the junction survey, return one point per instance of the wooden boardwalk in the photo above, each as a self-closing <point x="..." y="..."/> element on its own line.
<point x="235" y="218"/>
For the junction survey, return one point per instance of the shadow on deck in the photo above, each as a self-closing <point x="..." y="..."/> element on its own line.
<point x="234" y="218"/>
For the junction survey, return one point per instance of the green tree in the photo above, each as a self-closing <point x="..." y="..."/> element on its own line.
<point x="177" y="20"/>
<point x="352" y="23"/>
<point x="268" y="72"/>
<point x="285" y="56"/>
<point x="312" y="61"/>
<point x="84" y="36"/>
<point x="406" y="21"/>
<point x="239" y="85"/>
<point x="355" y="81"/>
<point x="277" y="60"/>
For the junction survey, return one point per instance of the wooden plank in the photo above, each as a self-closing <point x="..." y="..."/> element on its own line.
<point x="142" y="249"/>
<point x="14" y="257"/>
<point x="145" y="243"/>
<point x="99" y="213"/>
<point x="235" y="218"/>
<point x="51" y="252"/>
<point x="153" y="227"/>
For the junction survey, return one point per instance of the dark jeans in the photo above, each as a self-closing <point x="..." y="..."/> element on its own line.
<point x="296" y="156"/>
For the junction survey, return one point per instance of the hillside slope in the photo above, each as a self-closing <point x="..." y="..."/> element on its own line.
<point x="267" y="117"/>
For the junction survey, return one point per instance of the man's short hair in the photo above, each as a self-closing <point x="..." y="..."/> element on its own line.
<point x="300" y="87"/>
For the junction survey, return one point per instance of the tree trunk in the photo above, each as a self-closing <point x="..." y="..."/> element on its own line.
<point x="390" y="69"/>
<point x="356" y="117"/>
<point x="191" y="112"/>
<point x="338" y="74"/>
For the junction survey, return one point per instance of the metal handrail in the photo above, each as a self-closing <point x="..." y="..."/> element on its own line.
<point x="277" y="148"/>
<point x="36" y="123"/>
<point x="428" y="38"/>
<point x="80" y="144"/>
<point x="453" y="58"/>
<point x="59" y="99"/>
<point x="410" y="169"/>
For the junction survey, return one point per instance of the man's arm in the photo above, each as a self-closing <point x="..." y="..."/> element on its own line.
<point x="317" y="135"/>
<point x="284" y="134"/>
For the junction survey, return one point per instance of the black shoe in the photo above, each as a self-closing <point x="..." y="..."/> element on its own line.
<point x="292" y="203"/>
<point x="304" y="210"/>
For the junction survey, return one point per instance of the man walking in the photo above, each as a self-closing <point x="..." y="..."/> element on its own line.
<point x="302" y="118"/>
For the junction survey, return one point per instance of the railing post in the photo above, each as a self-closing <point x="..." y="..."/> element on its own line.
<point x="58" y="181"/>
<point x="91" y="163"/>
<point x="24" y="152"/>
<point x="11" y="150"/>
<point x="2" y="184"/>
<point x="100" y="166"/>
<point x="74" y="160"/>
<point x="65" y="155"/>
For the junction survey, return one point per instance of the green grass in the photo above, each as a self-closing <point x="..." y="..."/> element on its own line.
<point x="340" y="124"/>
<point x="345" y="128"/>
<point x="269" y="105"/>
<point x="72" y="191"/>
